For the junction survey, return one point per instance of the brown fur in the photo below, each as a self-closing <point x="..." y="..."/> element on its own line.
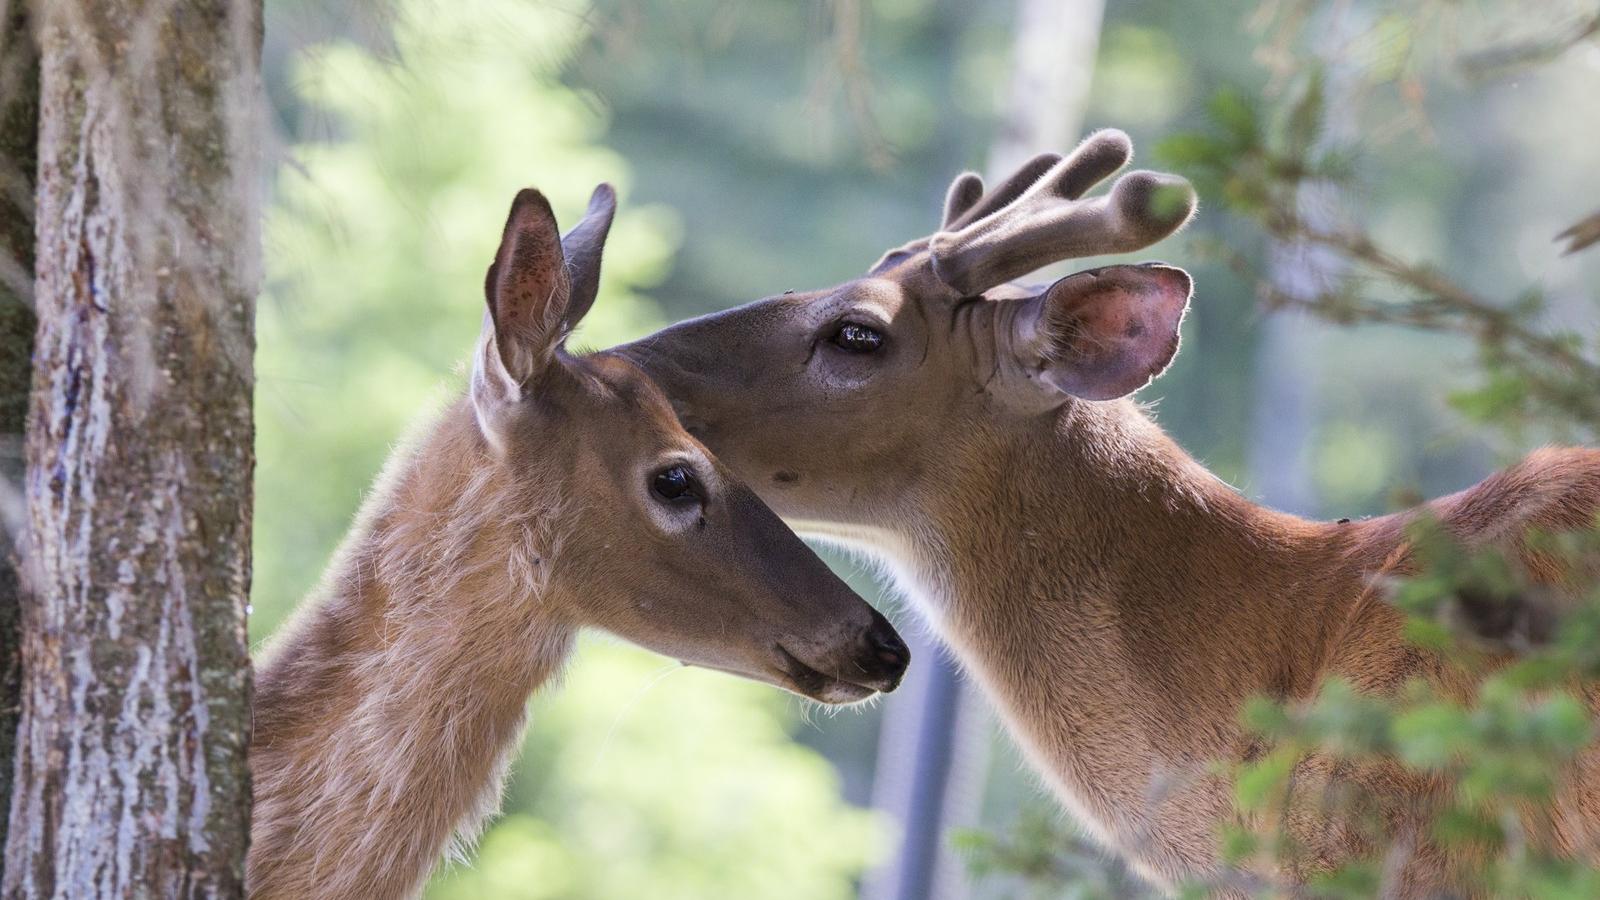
<point x="1116" y="601"/>
<point x="388" y="709"/>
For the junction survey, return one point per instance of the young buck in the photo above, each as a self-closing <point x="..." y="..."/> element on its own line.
<point x="560" y="493"/>
<point x="1117" y="601"/>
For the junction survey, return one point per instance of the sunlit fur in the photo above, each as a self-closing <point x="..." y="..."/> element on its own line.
<point x="1120" y="604"/>
<point x="388" y="708"/>
<point x="1117" y="602"/>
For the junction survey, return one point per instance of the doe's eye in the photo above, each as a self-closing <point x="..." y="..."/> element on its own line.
<point x="676" y="485"/>
<point x="853" y="337"/>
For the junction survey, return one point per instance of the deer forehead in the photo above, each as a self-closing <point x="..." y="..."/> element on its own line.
<point x="616" y="389"/>
<point x="884" y="299"/>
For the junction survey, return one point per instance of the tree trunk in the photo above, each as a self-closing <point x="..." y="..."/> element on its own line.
<point x="131" y="776"/>
<point x="19" y="139"/>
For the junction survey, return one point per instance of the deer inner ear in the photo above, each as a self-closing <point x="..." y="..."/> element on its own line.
<point x="1106" y="333"/>
<point x="527" y="288"/>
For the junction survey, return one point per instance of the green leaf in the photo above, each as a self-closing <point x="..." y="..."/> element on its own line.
<point x="1303" y="125"/>
<point x="1263" y="780"/>
<point x="1430" y="736"/>
<point x="1238" y="116"/>
<point x="1265" y="716"/>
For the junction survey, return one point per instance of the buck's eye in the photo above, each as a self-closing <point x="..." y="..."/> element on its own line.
<point x="676" y="485"/>
<point x="856" y="338"/>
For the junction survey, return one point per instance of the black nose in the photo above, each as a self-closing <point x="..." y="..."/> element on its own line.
<point x="887" y="655"/>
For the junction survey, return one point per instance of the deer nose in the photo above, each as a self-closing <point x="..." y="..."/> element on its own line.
<point x="886" y="654"/>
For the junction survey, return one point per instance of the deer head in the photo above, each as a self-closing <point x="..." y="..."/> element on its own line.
<point x="842" y="403"/>
<point x="661" y="544"/>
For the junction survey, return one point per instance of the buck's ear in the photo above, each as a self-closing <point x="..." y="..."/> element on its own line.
<point x="528" y="292"/>
<point x="1104" y="333"/>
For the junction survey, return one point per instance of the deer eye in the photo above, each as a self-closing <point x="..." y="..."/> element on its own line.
<point x="853" y="337"/>
<point x="676" y="485"/>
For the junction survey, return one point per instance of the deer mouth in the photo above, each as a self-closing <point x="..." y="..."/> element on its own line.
<point x="806" y="681"/>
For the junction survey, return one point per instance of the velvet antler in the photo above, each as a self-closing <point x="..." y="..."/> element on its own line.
<point x="1036" y="216"/>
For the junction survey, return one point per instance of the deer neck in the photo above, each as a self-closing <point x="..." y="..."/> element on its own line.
<point x="1115" y="599"/>
<point x="390" y="707"/>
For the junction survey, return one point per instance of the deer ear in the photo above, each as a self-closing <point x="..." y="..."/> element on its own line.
<point x="1105" y="333"/>
<point x="528" y="292"/>
<point x="582" y="246"/>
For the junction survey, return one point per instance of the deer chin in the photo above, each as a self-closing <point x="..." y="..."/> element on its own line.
<point x="798" y="677"/>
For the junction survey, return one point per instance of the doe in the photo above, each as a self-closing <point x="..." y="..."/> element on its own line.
<point x="561" y="492"/>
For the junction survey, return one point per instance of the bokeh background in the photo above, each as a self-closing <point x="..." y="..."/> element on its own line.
<point x="762" y="145"/>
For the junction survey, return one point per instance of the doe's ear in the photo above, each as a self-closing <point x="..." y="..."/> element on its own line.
<point x="528" y="292"/>
<point x="1105" y="333"/>
<point x="583" y="246"/>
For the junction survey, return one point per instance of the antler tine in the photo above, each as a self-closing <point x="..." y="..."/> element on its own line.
<point x="1047" y="221"/>
<point x="964" y="193"/>
<point x="961" y="203"/>
<point x="997" y="199"/>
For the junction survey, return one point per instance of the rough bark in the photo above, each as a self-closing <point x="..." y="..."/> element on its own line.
<point x="19" y="137"/>
<point x="131" y="776"/>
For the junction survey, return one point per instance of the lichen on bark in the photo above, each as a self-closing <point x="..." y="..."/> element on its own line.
<point x="132" y="775"/>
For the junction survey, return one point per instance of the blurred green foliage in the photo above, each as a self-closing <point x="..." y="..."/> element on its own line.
<point x="378" y="234"/>
<point x="692" y="787"/>
<point x="1260" y="164"/>
<point x="1501" y="752"/>
<point x="1043" y="859"/>
<point x="381" y="224"/>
